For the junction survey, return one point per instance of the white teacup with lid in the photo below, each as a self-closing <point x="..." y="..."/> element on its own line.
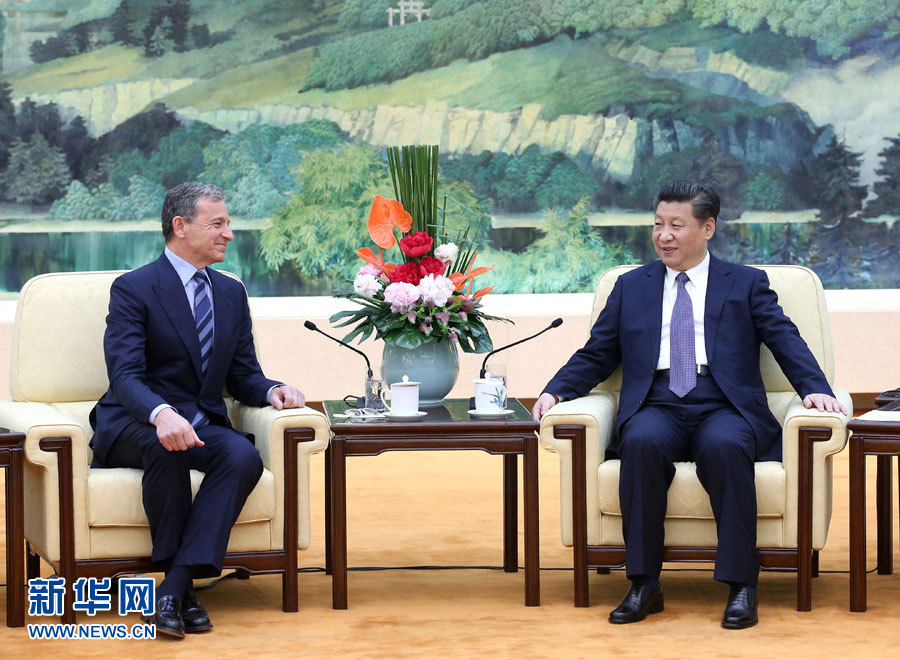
<point x="404" y="398"/>
<point x="490" y="396"/>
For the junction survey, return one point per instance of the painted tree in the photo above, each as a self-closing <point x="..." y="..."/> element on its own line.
<point x="37" y="172"/>
<point x="76" y="143"/>
<point x="838" y="249"/>
<point x="887" y="190"/>
<point x="837" y="171"/>
<point x="789" y="246"/>
<point x="120" y="24"/>
<point x="26" y="119"/>
<point x="179" y="14"/>
<point x="7" y="122"/>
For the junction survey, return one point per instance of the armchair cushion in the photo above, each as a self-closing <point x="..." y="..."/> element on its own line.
<point x="114" y="498"/>
<point x="688" y="499"/>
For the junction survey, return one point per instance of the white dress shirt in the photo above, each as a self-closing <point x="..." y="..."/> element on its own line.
<point x="698" y="277"/>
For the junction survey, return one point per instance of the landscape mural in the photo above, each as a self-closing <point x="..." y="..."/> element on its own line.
<point x="556" y="120"/>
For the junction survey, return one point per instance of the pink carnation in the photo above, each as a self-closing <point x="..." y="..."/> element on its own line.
<point x="369" y="269"/>
<point x="402" y="296"/>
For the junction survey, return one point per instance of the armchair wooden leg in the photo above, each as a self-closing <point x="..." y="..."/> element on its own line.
<point x="808" y="435"/>
<point x="603" y="570"/>
<point x="576" y="434"/>
<point x="62" y="447"/>
<point x="815" y="564"/>
<point x="242" y="574"/>
<point x="289" y="586"/>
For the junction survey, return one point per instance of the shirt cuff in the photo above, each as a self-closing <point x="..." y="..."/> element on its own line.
<point x="269" y="393"/>
<point x="158" y="409"/>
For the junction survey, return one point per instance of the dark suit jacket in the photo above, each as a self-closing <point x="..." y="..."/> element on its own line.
<point x="741" y="311"/>
<point x="153" y="354"/>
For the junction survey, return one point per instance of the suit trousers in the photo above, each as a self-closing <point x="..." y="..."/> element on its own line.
<point x="187" y="533"/>
<point x="705" y="428"/>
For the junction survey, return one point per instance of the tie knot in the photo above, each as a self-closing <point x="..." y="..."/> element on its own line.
<point x="199" y="277"/>
<point x="682" y="278"/>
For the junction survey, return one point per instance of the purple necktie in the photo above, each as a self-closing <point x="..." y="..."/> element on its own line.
<point x="682" y="359"/>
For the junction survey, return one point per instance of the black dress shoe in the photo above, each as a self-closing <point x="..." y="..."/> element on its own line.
<point x="192" y="613"/>
<point x="740" y="612"/>
<point x="167" y="618"/>
<point x="641" y="600"/>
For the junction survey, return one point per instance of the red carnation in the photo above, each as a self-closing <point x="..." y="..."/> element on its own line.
<point x="431" y="266"/>
<point x="416" y="244"/>
<point x="407" y="273"/>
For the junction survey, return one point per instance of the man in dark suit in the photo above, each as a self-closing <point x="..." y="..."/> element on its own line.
<point x="176" y="334"/>
<point x="687" y="330"/>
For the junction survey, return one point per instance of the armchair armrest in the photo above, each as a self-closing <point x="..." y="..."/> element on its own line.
<point x="810" y="438"/>
<point x="269" y="425"/>
<point x="798" y="416"/>
<point x="596" y="413"/>
<point x="41" y="420"/>
<point x="55" y="476"/>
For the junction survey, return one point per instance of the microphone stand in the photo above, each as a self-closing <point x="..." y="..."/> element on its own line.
<point x="360" y="401"/>
<point x="554" y="324"/>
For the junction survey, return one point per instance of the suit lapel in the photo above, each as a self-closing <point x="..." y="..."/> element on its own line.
<point x="652" y="299"/>
<point x="717" y="287"/>
<point x="171" y="296"/>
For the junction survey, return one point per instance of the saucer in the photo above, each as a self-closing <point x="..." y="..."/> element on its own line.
<point x="405" y="418"/>
<point x="491" y="415"/>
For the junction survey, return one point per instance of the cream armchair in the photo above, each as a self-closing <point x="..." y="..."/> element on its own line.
<point x="90" y="522"/>
<point x="793" y="496"/>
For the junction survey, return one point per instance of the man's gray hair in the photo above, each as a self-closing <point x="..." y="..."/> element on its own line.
<point x="182" y="200"/>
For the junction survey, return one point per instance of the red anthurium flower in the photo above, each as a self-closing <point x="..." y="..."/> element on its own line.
<point x="416" y="244"/>
<point x="407" y="273"/>
<point x="384" y="215"/>
<point x="431" y="266"/>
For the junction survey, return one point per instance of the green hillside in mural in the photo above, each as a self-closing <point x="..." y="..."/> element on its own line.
<point x="555" y="119"/>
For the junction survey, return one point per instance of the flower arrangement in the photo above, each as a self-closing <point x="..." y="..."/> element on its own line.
<point x="428" y="296"/>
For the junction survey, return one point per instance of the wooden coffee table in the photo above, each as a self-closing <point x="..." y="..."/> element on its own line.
<point x="445" y="427"/>
<point x="879" y="438"/>
<point x="11" y="459"/>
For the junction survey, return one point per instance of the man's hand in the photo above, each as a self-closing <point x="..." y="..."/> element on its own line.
<point x="287" y="396"/>
<point x="823" y="402"/>
<point x="175" y="433"/>
<point x="544" y="403"/>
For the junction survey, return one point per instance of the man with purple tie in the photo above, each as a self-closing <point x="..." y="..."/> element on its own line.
<point x="177" y="333"/>
<point x="686" y="330"/>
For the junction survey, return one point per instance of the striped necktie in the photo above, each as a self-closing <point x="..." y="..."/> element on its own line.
<point x="203" y="318"/>
<point x="682" y="357"/>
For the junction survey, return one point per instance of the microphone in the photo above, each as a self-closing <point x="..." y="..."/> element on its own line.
<point x="554" y="324"/>
<point x="309" y="325"/>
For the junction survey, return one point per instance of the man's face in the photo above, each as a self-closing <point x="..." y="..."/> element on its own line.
<point x="203" y="241"/>
<point x="679" y="238"/>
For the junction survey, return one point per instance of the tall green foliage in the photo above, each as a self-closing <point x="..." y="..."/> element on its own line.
<point x="316" y="233"/>
<point x="570" y="256"/>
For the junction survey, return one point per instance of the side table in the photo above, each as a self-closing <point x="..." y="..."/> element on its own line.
<point x="881" y="438"/>
<point x="448" y="426"/>
<point x="12" y="454"/>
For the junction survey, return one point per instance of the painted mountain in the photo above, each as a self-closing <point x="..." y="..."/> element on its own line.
<point x="556" y="120"/>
